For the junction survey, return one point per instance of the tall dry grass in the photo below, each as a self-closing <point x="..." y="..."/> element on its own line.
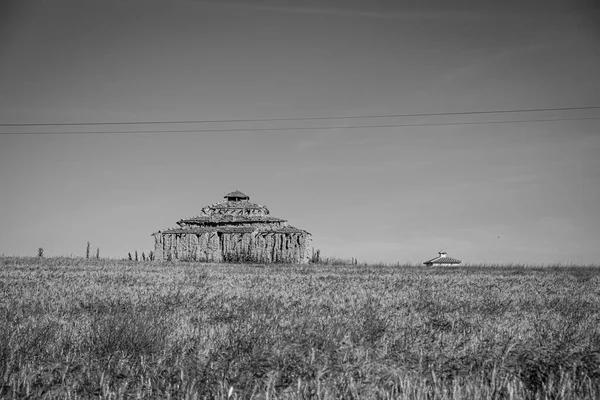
<point x="120" y="329"/>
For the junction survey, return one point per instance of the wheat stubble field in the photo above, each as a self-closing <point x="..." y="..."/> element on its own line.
<point x="76" y="328"/>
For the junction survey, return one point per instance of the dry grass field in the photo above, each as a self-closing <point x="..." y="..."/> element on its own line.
<point x="76" y="328"/>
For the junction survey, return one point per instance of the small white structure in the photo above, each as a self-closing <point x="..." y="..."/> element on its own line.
<point x="442" y="260"/>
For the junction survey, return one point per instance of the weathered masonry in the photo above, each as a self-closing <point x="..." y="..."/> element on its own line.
<point x="233" y="230"/>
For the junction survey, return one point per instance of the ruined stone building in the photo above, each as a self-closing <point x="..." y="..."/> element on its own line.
<point x="233" y="230"/>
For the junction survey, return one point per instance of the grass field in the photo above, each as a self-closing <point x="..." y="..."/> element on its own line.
<point x="76" y="328"/>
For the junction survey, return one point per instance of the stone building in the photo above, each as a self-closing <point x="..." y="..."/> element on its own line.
<point x="233" y="230"/>
<point x="442" y="260"/>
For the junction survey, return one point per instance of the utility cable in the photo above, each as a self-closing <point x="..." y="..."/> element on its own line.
<point x="305" y="128"/>
<point x="303" y="118"/>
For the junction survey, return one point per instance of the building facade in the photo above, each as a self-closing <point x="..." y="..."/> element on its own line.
<point x="233" y="230"/>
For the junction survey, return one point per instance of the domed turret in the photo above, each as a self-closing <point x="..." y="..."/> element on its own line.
<point x="236" y="196"/>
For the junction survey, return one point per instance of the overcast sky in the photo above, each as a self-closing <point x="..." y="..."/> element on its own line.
<point x="514" y="192"/>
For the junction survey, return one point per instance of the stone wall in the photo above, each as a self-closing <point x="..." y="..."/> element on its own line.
<point x="256" y="246"/>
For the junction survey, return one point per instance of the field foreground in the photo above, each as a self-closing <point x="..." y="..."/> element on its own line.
<point x="115" y="329"/>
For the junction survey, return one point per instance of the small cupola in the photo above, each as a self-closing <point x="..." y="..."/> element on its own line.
<point x="443" y="254"/>
<point x="236" y="196"/>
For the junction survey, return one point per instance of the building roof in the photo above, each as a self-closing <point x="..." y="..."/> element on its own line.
<point x="228" y="219"/>
<point x="235" y="204"/>
<point x="222" y="207"/>
<point x="227" y="216"/>
<point x="209" y="229"/>
<point x="227" y="229"/>
<point x="442" y="259"/>
<point x="283" y="229"/>
<point x="237" y="194"/>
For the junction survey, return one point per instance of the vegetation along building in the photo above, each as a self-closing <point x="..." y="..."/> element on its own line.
<point x="233" y="230"/>
<point x="442" y="260"/>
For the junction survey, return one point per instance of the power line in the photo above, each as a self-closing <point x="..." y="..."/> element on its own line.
<point x="303" y="118"/>
<point x="305" y="128"/>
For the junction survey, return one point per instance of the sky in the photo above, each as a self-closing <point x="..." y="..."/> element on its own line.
<point x="525" y="192"/>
